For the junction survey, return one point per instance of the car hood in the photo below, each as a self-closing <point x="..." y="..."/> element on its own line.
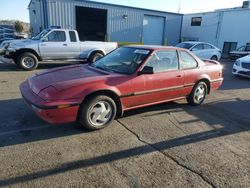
<point x="245" y="59"/>
<point x="65" y="77"/>
<point x="19" y="42"/>
<point x="239" y="52"/>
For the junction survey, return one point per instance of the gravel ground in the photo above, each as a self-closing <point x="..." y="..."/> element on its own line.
<point x="168" y="145"/>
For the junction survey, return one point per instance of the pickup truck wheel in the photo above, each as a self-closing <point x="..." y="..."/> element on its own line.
<point x="27" y="61"/>
<point x="95" y="56"/>
<point x="198" y="94"/>
<point x="97" y="112"/>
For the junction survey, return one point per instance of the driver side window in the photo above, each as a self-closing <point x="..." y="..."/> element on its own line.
<point x="162" y="61"/>
<point x="56" y="36"/>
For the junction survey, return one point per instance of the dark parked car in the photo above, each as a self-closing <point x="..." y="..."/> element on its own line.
<point x="129" y="77"/>
<point x="240" y="52"/>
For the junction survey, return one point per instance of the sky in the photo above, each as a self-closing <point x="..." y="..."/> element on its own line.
<point x="18" y="9"/>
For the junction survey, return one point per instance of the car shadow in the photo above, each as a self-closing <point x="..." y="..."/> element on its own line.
<point x="11" y="66"/>
<point x="229" y="123"/>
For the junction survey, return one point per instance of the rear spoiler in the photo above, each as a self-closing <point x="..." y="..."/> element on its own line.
<point x="211" y="61"/>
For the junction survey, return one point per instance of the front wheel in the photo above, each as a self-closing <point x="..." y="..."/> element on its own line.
<point x="97" y="112"/>
<point x="198" y="94"/>
<point x="27" y="61"/>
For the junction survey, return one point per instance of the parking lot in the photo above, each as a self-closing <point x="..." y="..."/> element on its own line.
<point x="167" y="145"/>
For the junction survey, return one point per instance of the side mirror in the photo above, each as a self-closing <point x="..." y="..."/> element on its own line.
<point x="45" y="39"/>
<point x="194" y="49"/>
<point x="146" y="70"/>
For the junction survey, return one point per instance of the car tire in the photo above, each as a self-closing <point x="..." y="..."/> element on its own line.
<point x="94" y="57"/>
<point x="198" y="94"/>
<point x="97" y="112"/>
<point x="214" y="58"/>
<point x="27" y="61"/>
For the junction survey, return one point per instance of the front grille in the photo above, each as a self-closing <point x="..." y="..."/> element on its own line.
<point x="245" y="65"/>
<point x="244" y="73"/>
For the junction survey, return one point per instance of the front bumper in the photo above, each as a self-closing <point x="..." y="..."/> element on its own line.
<point x="2" y="50"/>
<point x="9" y="52"/>
<point x="237" y="70"/>
<point x="51" y="112"/>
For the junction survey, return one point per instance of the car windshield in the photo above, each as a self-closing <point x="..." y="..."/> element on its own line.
<point x="41" y="35"/>
<point x="124" y="60"/>
<point x="185" y="45"/>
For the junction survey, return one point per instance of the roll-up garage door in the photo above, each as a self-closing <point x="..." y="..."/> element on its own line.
<point x="153" y="29"/>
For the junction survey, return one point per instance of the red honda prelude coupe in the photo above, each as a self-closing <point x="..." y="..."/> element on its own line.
<point x="129" y="77"/>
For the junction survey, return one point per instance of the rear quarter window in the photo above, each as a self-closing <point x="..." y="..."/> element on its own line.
<point x="207" y="47"/>
<point x="72" y="36"/>
<point x="187" y="61"/>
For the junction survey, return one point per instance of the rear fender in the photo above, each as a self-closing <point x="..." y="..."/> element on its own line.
<point x="88" y="53"/>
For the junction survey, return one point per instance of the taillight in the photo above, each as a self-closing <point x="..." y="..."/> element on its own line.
<point x="220" y="73"/>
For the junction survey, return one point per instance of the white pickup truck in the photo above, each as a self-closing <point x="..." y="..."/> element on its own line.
<point x="53" y="44"/>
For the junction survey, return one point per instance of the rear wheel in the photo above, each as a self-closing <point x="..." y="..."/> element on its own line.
<point x="198" y="94"/>
<point x="214" y="58"/>
<point x="95" y="56"/>
<point x="27" y="61"/>
<point x="97" y="112"/>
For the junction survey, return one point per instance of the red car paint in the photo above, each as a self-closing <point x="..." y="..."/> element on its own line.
<point x="56" y="94"/>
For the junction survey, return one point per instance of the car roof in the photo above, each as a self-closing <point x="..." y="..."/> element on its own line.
<point x="194" y="42"/>
<point x="153" y="47"/>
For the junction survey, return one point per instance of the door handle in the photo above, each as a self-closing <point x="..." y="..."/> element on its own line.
<point x="179" y="76"/>
<point x="64" y="44"/>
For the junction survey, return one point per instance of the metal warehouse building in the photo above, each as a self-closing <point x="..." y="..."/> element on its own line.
<point x="106" y="22"/>
<point x="226" y="28"/>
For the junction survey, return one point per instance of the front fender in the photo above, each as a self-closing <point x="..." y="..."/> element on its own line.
<point x="94" y="89"/>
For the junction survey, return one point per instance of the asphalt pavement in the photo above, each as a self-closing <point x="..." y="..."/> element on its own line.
<point x="167" y="145"/>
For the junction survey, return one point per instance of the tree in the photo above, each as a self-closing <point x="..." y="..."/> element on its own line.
<point x="18" y="26"/>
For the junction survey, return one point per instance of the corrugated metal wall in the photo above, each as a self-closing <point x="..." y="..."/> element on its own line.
<point x="62" y="13"/>
<point x="219" y="27"/>
<point x="36" y="16"/>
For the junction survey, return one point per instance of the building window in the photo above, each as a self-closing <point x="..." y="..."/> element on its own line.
<point x="196" y="21"/>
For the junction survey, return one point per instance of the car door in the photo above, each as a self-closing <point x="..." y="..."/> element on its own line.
<point x="190" y="69"/>
<point x="54" y="45"/>
<point x="164" y="84"/>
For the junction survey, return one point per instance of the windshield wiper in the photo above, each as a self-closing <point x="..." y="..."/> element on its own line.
<point x="117" y="71"/>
